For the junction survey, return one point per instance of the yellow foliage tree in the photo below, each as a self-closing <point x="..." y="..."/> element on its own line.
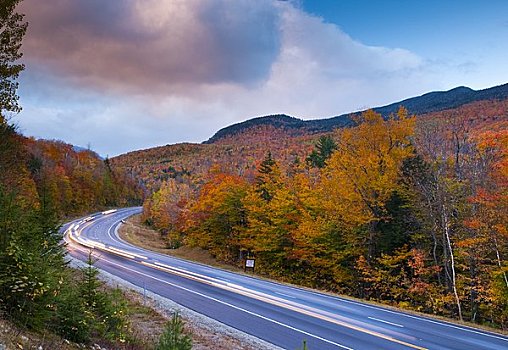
<point x="363" y="172"/>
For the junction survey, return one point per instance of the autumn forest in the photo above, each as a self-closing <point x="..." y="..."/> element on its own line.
<point x="406" y="211"/>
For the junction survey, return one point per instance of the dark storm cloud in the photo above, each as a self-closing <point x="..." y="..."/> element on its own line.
<point x="148" y="46"/>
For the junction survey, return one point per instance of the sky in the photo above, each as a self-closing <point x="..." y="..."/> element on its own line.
<point x="122" y="75"/>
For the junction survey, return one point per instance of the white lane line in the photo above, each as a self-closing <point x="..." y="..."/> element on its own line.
<point x="422" y="318"/>
<point x="379" y="320"/>
<point x="285" y="295"/>
<point x="231" y="305"/>
<point x="339" y="299"/>
<point x="418" y="318"/>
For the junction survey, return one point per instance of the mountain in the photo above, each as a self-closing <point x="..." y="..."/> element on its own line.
<point x="428" y="103"/>
<point x="238" y="149"/>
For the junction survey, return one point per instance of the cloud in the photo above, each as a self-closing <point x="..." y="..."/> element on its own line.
<point x="153" y="46"/>
<point x="128" y="74"/>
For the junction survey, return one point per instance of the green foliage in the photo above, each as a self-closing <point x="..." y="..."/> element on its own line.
<point x="324" y="149"/>
<point x="399" y="225"/>
<point x="304" y="346"/>
<point x="85" y="311"/>
<point x="267" y="177"/>
<point x="173" y="337"/>
<point x="72" y="319"/>
<point x="104" y="313"/>
<point x="31" y="262"/>
<point x="12" y="31"/>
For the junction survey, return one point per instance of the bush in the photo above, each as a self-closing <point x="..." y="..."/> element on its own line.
<point x="85" y="311"/>
<point x="174" y="337"/>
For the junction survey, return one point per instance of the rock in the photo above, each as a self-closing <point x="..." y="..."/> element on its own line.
<point x="24" y="339"/>
<point x="2" y="347"/>
<point x="40" y="347"/>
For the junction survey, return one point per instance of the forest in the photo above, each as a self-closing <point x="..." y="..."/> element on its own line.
<point x="407" y="211"/>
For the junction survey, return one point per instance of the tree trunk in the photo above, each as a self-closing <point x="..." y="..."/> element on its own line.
<point x="452" y="261"/>
<point x="498" y="256"/>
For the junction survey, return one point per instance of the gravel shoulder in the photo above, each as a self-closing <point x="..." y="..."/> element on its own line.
<point x="207" y="333"/>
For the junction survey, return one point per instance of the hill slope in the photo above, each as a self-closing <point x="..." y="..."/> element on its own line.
<point x="239" y="148"/>
<point x="424" y="104"/>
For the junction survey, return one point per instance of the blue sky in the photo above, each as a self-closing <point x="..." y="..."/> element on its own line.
<point x="123" y="75"/>
<point x="471" y="33"/>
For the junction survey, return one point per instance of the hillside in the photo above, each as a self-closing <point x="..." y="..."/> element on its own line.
<point x="393" y="200"/>
<point x="424" y="104"/>
<point x="191" y="162"/>
<point x="377" y="219"/>
<point x="239" y="148"/>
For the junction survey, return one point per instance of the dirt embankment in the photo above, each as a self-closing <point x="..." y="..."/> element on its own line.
<point x="134" y="232"/>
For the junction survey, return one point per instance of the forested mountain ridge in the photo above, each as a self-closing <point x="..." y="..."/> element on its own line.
<point x="428" y="103"/>
<point x="240" y="149"/>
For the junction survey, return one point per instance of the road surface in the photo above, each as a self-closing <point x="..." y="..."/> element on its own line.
<point x="279" y="314"/>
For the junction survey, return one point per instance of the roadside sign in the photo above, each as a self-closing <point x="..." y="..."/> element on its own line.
<point x="249" y="264"/>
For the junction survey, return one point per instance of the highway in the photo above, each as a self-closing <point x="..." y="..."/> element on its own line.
<point x="279" y="314"/>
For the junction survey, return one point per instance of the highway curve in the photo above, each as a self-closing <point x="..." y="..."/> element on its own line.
<point x="280" y="314"/>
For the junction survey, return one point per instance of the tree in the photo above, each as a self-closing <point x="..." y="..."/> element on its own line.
<point x="31" y="261"/>
<point x="216" y="218"/>
<point x="165" y="209"/>
<point x="268" y="177"/>
<point x="325" y="146"/>
<point x="173" y="337"/>
<point x="362" y="174"/>
<point x="13" y="29"/>
<point x="104" y="313"/>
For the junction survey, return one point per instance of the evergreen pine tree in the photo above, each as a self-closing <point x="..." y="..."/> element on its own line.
<point x="174" y="337"/>
<point x="324" y="149"/>
<point x="268" y="177"/>
<point x="12" y="31"/>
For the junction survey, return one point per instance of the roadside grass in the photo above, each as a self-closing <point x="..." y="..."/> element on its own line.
<point x="13" y="337"/>
<point x="136" y="233"/>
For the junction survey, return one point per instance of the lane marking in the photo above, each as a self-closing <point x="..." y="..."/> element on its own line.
<point x="299" y="308"/>
<point x="443" y="323"/>
<point x="357" y="303"/>
<point x="285" y="295"/>
<point x="379" y="308"/>
<point x="380" y="320"/>
<point x="286" y="304"/>
<point x="225" y="303"/>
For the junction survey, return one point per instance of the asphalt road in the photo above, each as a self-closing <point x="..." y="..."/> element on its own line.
<point x="280" y="314"/>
